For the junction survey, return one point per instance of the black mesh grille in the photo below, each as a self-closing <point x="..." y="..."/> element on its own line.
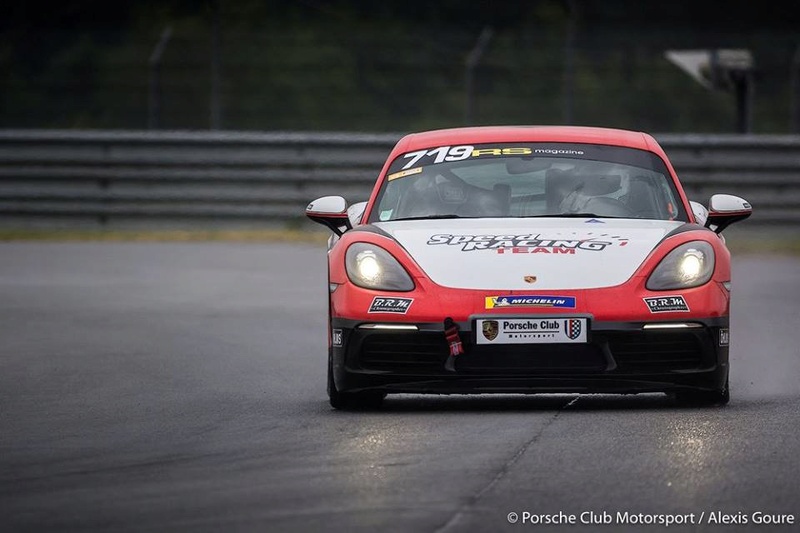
<point x="399" y="351"/>
<point x="543" y="357"/>
<point x="673" y="350"/>
<point x="423" y="351"/>
<point x="632" y="351"/>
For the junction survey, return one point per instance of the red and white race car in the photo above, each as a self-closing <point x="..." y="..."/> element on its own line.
<point x="525" y="260"/>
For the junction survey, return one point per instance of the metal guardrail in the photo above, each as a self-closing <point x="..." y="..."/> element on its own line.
<point x="117" y="177"/>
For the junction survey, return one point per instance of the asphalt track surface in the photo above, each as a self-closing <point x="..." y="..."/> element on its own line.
<point x="181" y="387"/>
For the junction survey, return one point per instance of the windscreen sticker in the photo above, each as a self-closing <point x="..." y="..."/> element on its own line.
<point x="459" y="153"/>
<point x="666" y="304"/>
<point x="452" y="194"/>
<point x="382" y="304"/>
<point x="404" y="173"/>
<point x="527" y="244"/>
<point x="530" y="300"/>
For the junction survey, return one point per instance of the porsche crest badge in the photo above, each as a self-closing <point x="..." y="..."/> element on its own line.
<point x="490" y="329"/>
<point x="529" y="279"/>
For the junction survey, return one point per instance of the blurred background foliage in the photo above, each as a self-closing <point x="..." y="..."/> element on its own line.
<point x="361" y="65"/>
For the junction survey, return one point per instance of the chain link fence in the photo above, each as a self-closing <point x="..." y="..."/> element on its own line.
<point x="323" y="74"/>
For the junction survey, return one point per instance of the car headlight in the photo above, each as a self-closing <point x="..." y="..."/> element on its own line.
<point x="689" y="265"/>
<point x="372" y="267"/>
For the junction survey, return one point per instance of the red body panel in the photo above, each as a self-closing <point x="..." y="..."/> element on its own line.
<point x="621" y="303"/>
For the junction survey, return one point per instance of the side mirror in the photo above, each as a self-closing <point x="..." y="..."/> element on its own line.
<point x="725" y="209"/>
<point x="330" y="211"/>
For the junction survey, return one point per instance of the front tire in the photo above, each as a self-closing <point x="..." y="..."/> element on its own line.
<point x="351" y="401"/>
<point x="703" y="398"/>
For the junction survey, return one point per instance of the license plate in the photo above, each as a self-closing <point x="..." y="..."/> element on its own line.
<point x="538" y="330"/>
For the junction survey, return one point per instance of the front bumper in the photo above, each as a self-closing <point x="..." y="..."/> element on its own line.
<point x="619" y="357"/>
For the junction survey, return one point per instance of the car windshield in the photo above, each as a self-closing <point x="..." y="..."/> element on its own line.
<point x="528" y="180"/>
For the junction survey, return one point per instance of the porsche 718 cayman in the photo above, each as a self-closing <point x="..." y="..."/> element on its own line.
<point x="527" y="260"/>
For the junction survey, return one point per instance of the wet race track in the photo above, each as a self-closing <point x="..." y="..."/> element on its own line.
<point x="164" y="387"/>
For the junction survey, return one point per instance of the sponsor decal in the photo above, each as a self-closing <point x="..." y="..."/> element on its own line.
<point x="557" y="151"/>
<point x="665" y="304"/>
<point x="529" y="279"/>
<point x="572" y="328"/>
<point x="404" y="173"/>
<point x="490" y="329"/>
<point x="382" y="304"/>
<point x="526" y="244"/>
<point x="530" y="300"/>
<point x="551" y="330"/>
<point x="336" y="338"/>
<point x="466" y="151"/>
<point x="594" y="221"/>
<point x="724" y="336"/>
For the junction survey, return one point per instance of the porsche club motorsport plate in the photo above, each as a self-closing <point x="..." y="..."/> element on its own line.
<point x="531" y="330"/>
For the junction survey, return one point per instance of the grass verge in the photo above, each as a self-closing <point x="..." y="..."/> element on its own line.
<point x="261" y="235"/>
<point x="788" y="246"/>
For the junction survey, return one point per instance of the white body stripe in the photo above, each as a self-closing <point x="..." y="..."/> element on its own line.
<point x="497" y="254"/>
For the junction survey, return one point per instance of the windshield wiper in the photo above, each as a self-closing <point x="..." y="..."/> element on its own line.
<point x="430" y="217"/>
<point x="570" y="215"/>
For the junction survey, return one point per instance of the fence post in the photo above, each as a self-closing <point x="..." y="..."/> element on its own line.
<point x="471" y="63"/>
<point x="154" y="63"/>
<point x="216" y="113"/>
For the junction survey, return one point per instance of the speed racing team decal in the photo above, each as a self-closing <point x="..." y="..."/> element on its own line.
<point x="531" y="300"/>
<point x="527" y="244"/>
<point x="665" y="304"/>
<point x="382" y="304"/>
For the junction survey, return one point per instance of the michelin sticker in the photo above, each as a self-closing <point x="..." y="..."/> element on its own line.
<point x="535" y="300"/>
<point x="666" y="304"/>
<point x="381" y="304"/>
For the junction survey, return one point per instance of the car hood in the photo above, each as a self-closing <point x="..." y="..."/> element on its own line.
<point x="529" y="254"/>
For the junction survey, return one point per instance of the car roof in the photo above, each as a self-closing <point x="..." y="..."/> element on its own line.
<point x="555" y="134"/>
<point x="494" y="134"/>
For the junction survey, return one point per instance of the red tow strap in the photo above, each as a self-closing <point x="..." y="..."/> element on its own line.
<point x="454" y="341"/>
